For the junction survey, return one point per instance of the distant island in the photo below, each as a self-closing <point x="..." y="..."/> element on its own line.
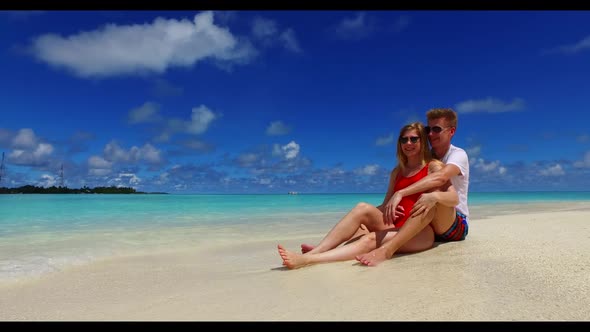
<point x="28" y="189"/>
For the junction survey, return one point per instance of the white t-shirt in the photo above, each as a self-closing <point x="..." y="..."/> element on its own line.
<point x="458" y="157"/>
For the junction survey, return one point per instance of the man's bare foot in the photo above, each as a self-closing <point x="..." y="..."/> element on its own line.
<point x="292" y="260"/>
<point x="373" y="258"/>
<point x="306" y="247"/>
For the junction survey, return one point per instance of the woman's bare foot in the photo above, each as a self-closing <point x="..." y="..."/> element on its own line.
<point x="306" y="247"/>
<point x="292" y="260"/>
<point x="373" y="258"/>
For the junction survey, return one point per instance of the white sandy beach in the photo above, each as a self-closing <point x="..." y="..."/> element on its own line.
<point x="530" y="265"/>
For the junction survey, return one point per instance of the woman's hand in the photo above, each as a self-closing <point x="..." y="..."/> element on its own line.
<point x="393" y="211"/>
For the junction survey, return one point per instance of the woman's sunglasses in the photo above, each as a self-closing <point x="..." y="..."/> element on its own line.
<point x="405" y="139"/>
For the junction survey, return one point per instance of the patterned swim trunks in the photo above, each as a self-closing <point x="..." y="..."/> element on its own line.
<point x="457" y="232"/>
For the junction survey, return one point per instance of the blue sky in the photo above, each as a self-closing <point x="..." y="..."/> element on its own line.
<point x="278" y="101"/>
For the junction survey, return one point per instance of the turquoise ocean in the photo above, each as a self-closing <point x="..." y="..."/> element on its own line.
<point x="42" y="233"/>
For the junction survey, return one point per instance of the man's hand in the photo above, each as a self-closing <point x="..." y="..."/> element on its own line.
<point x="393" y="211"/>
<point x="423" y="205"/>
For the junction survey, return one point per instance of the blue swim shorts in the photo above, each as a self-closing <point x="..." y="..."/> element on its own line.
<point x="457" y="232"/>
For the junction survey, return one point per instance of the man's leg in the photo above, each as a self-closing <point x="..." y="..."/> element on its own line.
<point x="409" y="230"/>
<point x="443" y="218"/>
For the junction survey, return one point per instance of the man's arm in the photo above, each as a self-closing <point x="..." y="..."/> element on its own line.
<point x="446" y="196"/>
<point x="431" y="181"/>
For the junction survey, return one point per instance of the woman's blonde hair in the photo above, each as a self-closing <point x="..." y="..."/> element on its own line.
<point x="425" y="154"/>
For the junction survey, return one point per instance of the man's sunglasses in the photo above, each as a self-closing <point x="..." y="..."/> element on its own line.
<point x="405" y="139"/>
<point x="435" y="129"/>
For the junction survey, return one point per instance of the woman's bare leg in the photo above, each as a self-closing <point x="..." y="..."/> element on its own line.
<point x="349" y="227"/>
<point x="362" y="230"/>
<point x="346" y="252"/>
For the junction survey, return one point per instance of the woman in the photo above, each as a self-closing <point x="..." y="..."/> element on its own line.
<point x="363" y="228"/>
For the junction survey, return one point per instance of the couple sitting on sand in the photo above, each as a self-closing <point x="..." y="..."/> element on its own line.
<point x="426" y="201"/>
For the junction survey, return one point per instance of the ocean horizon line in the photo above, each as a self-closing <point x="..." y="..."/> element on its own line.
<point x="369" y="193"/>
<point x="302" y="193"/>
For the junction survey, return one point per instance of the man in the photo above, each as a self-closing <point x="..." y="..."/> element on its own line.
<point x="449" y="224"/>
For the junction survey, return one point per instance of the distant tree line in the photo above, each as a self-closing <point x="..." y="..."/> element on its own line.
<point x="28" y="189"/>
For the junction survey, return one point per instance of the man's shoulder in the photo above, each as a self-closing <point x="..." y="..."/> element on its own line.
<point x="457" y="151"/>
<point x="459" y="158"/>
<point x="455" y="148"/>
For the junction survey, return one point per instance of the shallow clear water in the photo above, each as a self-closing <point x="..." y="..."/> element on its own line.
<point x="44" y="233"/>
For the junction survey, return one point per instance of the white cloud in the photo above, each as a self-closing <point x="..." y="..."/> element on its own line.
<point x="489" y="105"/>
<point x="267" y="32"/>
<point x="148" y="112"/>
<point x="290" y="41"/>
<point x="263" y="28"/>
<point x="356" y="23"/>
<point x="247" y="159"/>
<point x="354" y="28"/>
<point x="98" y="162"/>
<point x="47" y="181"/>
<point x="98" y="166"/>
<point x="24" y="139"/>
<point x="584" y="163"/>
<point x="387" y="140"/>
<point x="148" y="153"/>
<point x="98" y="171"/>
<point x="197" y="145"/>
<point x="114" y="153"/>
<point x="5" y="136"/>
<point x="277" y="128"/>
<point x="473" y="151"/>
<point x="488" y="167"/>
<point x="555" y="170"/>
<point x="28" y="150"/>
<point x="368" y="170"/>
<point x="288" y="151"/>
<point x="149" y="47"/>
<point x="201" y="118"/>
<point x="291" y="150"/>
<point x="575" y="48"/>
<point x="125" y="180"/>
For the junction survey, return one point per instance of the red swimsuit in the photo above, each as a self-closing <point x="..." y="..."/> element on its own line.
<point x="408" y="201"/>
